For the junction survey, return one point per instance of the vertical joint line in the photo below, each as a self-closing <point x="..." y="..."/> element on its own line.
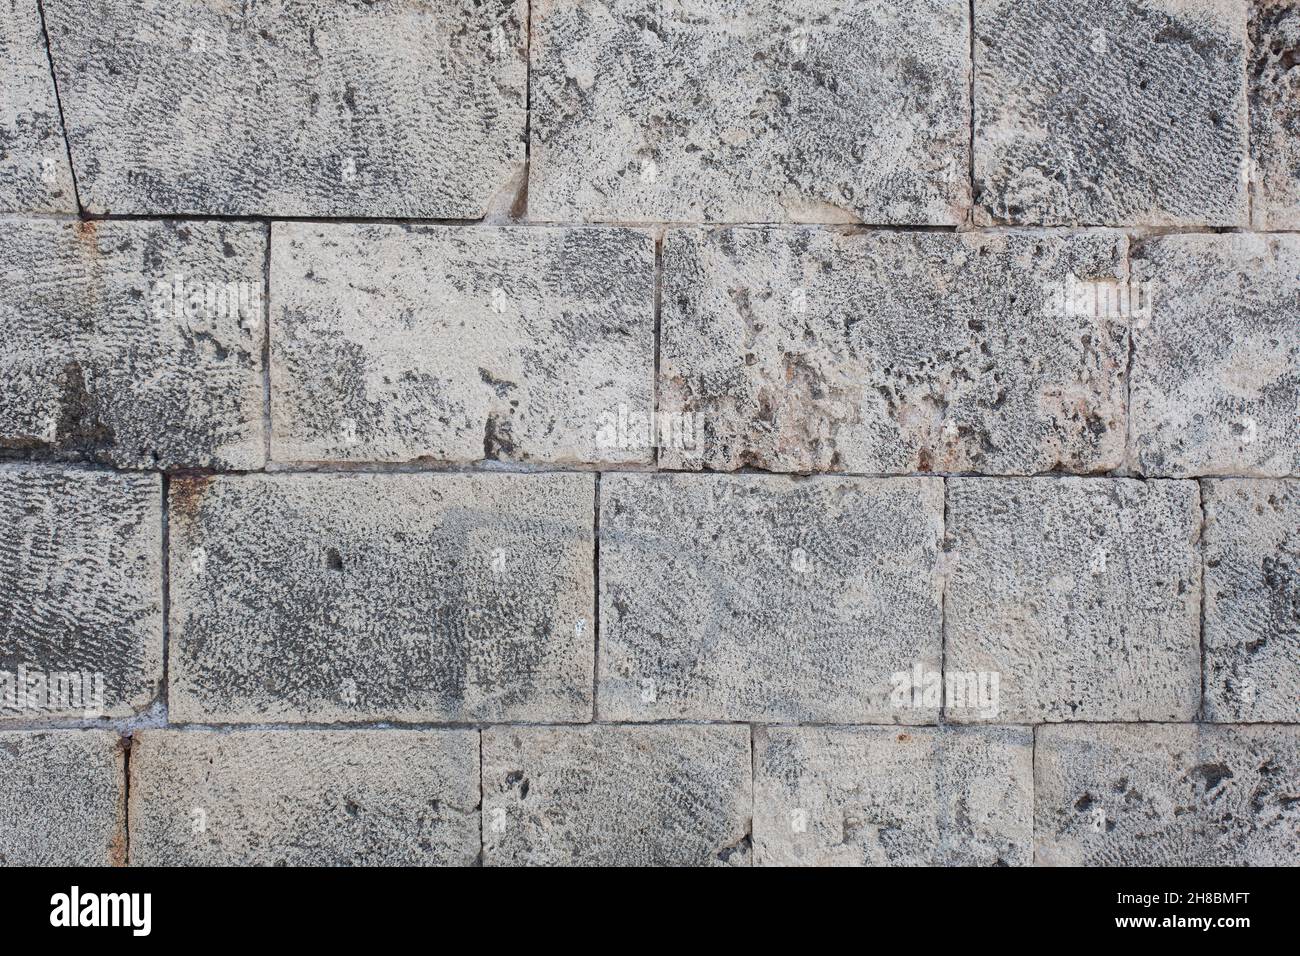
<point x="970" y="215"/>
<point x="266" y="350"/>
<point x="658" y="313"/>
<point x="595" y="609"/>
<point x="58" y="104"/>
<point x="163" y="694"/>
<point x="1200" y="621"/>
<point x="943" y="608"/>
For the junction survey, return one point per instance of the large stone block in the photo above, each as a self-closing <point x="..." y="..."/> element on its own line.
<point x="1275" y="113"/>
<point x="1167" y="795"/>
<point x="616" y="796"/>
<point x="305" y="798"/>
<point x="404" y="597"/>
<point x="1111" y="112"/>
<point x="392" y="343"/>
<point x="762" y="598"/>
<point x="34" y="171"/>
<point x="62" y="799"/>
<point x="279" y="108"/>
<point x="81" y="608"/>
<point x="894" y="352"/>
<point x="134" y="343"/>
<point x="885" y="797"/>
<point x="1216" y="371"/>
<point x="750" y="111"/>
<point x="1252" y="600"/>
<point x="1081" y="594"/>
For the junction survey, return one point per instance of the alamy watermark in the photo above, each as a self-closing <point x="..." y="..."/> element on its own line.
<point x="52" y="692"/>
<point x="978" y="691"/>
<point x="630" y="429"/>
<point x="1100" y="298"/>
<point x="179" y="297"/>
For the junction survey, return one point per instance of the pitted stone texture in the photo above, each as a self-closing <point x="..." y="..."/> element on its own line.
<point x="893" y="352"/>
<point x="882" y="797"/>
<point x="526" y="344"/>
<point x="416" y="598"/>
<point x="750" y="111"/>
<point x="101" y="358"/>
<point x="1082" y="594"/>
<point x="80" y="593"/>
<point x="34" y="171"/>
<point x="761" y="598"/>
<point x="1275" y="113"/>
<point x="305" y="798"/>
<point x="1252" y="601"/>
<point x="1111" y="112"/>
<point x="352" y="108"/>
<point x="1216" y="371"/>
<point x="616" y="796"/>
<point x="62" y="799"/>
<point x="1167" y="795"/>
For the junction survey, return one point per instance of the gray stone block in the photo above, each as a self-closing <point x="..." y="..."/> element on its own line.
<point x="1252" y="600"/>
<point x="34" y="171"/>
<point x="1081" y="594"/>
<point x="1275" y="113"/>
<point x="616" y="796"/>
<point x="134" y="343"/>
<point x="894" y="352"/>
<point x="1167" y="795"/>
<point x="305" y="798"/>
<point x="414" y="598"/>
<point x="762" y="598"/>
<point x="80" y="594"/>
<point x="885" y="797"/>
<point x="392" y="343"/>
<point x="1216" y="372"/>
<point x="759" y="111"/>
<point x="62" y="799"/>
<point x="355" y="108"/>
<point x="1111" y="112"/>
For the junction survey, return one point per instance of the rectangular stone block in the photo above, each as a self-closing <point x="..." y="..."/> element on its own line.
<point x="34" y="171"/>
<point x="1111" y="112"/>
<point x="894" y="352"/>
<point x="1275" y="113"/>
<point x="408" y="108"/>
<point x="1167" y="795"/>
<point x="883" y="797"/>
<point x="138" y="344"/>
<point x="305" y="798"/>
<point x="757" y="598"/>
<point x="616" y="796"/>
<point x="1216" y="372"/>
<point x="392" y="343"/>
<point x="1252" y="601"/>
<point x="1082" y="595"/>
<point x="758" y="111"/>
<point x="62" y="799"/>
<point x="403" y="597"/>
<point x="81" y="607"/>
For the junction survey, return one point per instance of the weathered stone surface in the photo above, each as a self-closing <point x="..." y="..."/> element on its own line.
<point x="357" y="597"/>
<point x="882" y="797"/>
<point x="893" y="352"/>
<point x="133" y="343"/>
<point x="403" y="108"/>
<point x="762" y="598"/>
<point x="34" y="171"/>
<point x="768" y="111"/>
<point x="1082" y="594"/>
<point x="62" y="799"/>
<point x="1252" y="600"/>
<point x="1216" y="372"/>
<point x="392" y="343"/>
<point x="305" y="798"/>
<point x="616" y="796"/>
<point x="1275" y="113"/>
<point x="1172" y="794"/>
<point x="80" y="594"/>
<point x="1111" y="112"/>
